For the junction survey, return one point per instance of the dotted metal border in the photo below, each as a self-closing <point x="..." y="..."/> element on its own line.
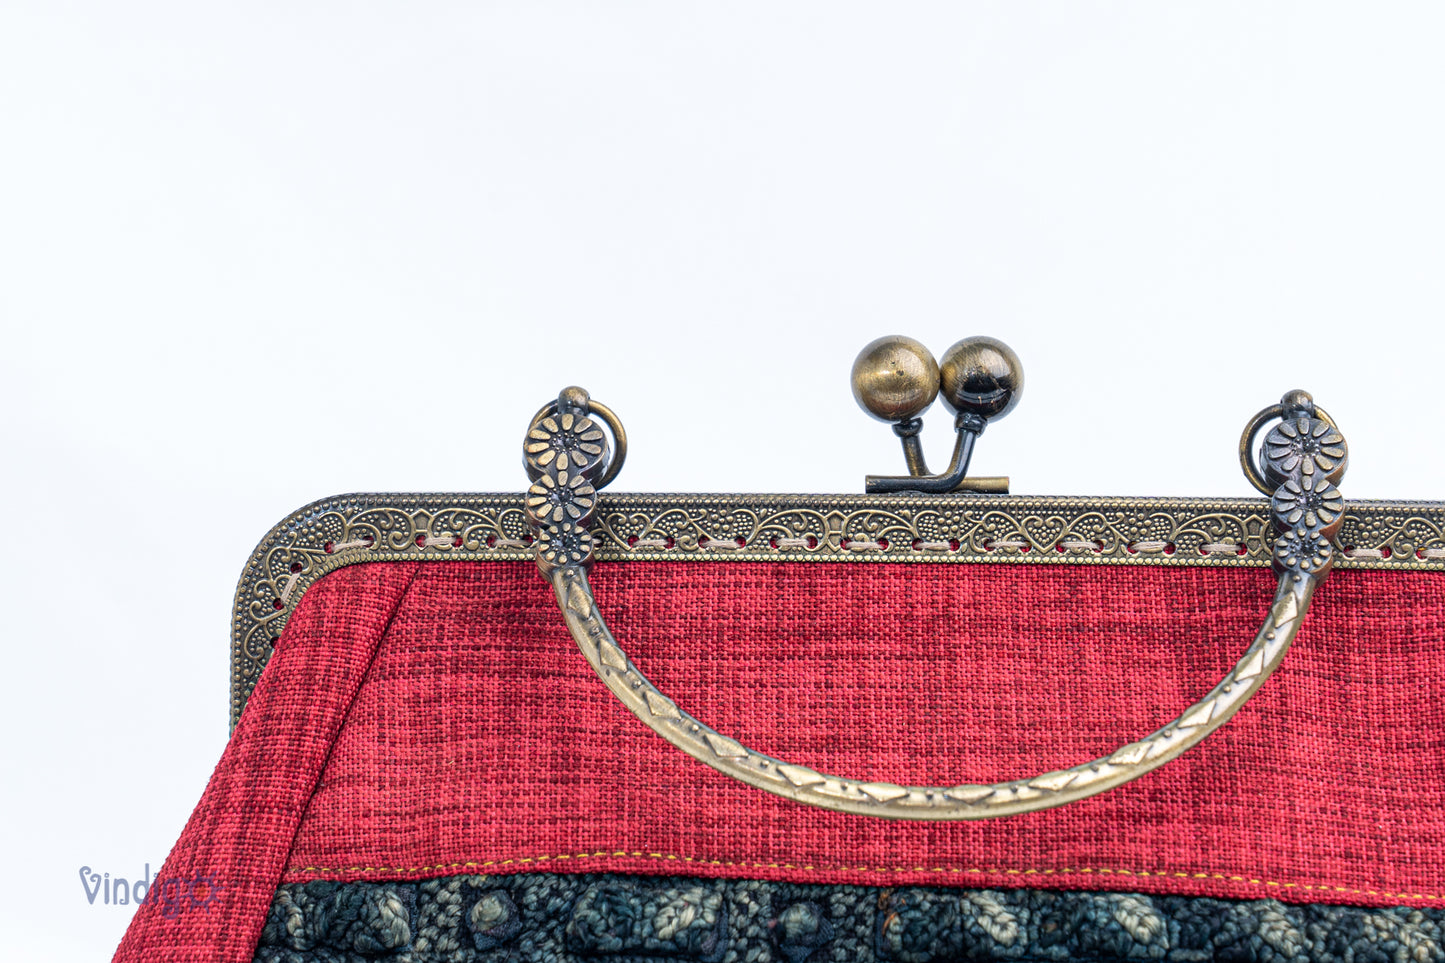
<point x="1020" y="529"/>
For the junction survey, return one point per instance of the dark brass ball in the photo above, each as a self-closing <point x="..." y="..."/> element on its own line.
<point x="895" y="378"/>
<point x="981" y="376"/>
<point x="1298" y="398"/>
<point x="574" y="397"/>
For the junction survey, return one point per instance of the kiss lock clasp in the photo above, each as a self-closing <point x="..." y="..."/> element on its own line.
<point x="896" y="379"/>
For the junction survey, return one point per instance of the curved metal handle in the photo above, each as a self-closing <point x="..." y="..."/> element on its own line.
<point x="1304" y="455"/>
<point x="970" y="801"/>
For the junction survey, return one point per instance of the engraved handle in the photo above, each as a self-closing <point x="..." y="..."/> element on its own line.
<point x="1304" y="455"/>
<point x="973" y="801"/>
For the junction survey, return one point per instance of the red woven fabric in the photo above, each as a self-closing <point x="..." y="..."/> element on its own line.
<point x="210" y="898"/>
<point x="479" y="741"/>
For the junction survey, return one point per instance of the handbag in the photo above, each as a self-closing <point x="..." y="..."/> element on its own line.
<point x="930" y="722"/>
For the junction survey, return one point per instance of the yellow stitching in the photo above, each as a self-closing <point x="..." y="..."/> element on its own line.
<point x="1066" y="871"/>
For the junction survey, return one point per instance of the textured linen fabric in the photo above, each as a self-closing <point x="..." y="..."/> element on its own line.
<point x="203" y="903"/>
<point x="478" y="741"/>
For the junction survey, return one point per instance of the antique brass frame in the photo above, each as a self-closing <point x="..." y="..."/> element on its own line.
<point x="854" y="529"/>
<point x="565" y="526"/>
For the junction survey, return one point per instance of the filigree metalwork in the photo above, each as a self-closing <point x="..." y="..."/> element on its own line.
<point x="943" y="529"/>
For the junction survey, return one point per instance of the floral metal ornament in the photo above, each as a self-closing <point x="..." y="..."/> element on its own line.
<point x="1312" y="502"/>
<point x="1303" y="550"/>
<point x="565" y="442"/>
<point x="568" y="458"/>
<point x="1304" y="456"/>
<point x="567" y="496"/>
<point x="563" y="544"/>
<point x="1302" y="446"/>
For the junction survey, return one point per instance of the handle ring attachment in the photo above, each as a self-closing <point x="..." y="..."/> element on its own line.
<point x="578" y="398"/>
<point x="1251" y="432"/>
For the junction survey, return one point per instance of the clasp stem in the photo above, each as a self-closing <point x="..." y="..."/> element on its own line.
<point x="968" y="426"/>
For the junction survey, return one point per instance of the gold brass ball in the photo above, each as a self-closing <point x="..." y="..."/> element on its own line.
<point x="981" y="376"/>
<point x="895" y="378"/>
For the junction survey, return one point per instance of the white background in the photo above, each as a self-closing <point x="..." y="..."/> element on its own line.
<point x="254" y="254"/>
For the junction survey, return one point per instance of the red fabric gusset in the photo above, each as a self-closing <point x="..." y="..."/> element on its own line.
<point x="210" y="898"/>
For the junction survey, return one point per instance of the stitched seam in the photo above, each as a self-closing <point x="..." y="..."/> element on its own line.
<point x="1066" y="871"/>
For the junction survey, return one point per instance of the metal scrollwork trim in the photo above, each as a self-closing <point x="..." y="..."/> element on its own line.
<point x="721" y="528"/>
